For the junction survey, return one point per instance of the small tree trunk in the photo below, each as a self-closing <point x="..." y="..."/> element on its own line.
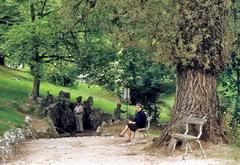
<point x="238" y="82"/>
<point x="36" y="87"/>
<point x="196" y="94"/>
<point x="2" y="62"/>
<point x="35" y="65"/>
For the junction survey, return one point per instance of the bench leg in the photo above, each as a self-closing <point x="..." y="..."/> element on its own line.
<point x="190" y="149"/>
<point x="144" y="134"/>
<point x="147" y="133"/>
<point x="133" y="136"/>
<point x="186" y="149"/>
<point x="204" y="155"/>
<point x="174" y="144"/>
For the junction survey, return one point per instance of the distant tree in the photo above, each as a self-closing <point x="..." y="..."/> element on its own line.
<point x="235" y="54"/>
<point x="2" y="62"/>
<point x="45" y="35"/>
<point x="8" y="17"/>
<point x="229" y="80"/>
<point x="145" y="78"/>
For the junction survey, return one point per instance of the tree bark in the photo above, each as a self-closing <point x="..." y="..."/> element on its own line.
<point x="36" y="87"/>
<point x="196" y="94"/>
<point x="2" y="62"/>
<point x="238" y="82"/>
<point x="35" y="64"/>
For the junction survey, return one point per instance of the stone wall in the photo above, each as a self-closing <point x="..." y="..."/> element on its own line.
<point x="12" y="140"/>
<point x="60" y="111"/>
<point x="97" y="117"/>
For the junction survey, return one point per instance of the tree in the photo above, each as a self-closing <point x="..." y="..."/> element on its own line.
<point x="145" y="78"/>
<point x="192" y="36"/>
<point x="2" y="60"/>
<point x="229" y="87"/>
<point x="235" y="57"/>
<point x="25" y="43"/>
<point x="130" y="61"/>
<point x="199" y="56"/>
<point x="8" y="17"/>
<point x="43" y="36"/>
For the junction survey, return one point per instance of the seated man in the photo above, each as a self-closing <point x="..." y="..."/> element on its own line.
<point x="138" y="122"/>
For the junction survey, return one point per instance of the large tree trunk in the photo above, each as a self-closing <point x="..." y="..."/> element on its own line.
<point x="36" y="87"/>
<point x="196" y="94"/>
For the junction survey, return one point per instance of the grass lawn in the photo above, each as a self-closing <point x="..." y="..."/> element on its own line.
<point x="16" y="85"/>
<point x="166" y="107"/>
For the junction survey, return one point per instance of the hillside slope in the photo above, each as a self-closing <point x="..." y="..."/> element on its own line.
<point x="16" y="85"/>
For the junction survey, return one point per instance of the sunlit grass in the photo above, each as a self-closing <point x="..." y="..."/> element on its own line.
<point x="166" y="107"/>
<point x="9" y="118"/>
<point x="15" y="87"/>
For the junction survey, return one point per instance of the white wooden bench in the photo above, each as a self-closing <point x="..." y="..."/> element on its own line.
<point x="186" y="138"/>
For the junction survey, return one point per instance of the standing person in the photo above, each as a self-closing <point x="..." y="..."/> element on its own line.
<point x="138" y="122"/>
<point x="79" y="111"/>
<point x="117" y="112"/>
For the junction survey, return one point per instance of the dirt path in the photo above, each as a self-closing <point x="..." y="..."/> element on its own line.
<point x="96" y="150"/>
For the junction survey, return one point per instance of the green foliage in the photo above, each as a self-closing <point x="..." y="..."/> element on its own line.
<point x="229" y="102"/>
<point x="166" y="105"/>
<point x="39" y="38"/>
<point x="124" y="36"/>
<point x="116" y="44"/>
<point x="229" y="86"/>
<point x="8" y="17"/>
<point x="146" y="78"/>
<point x="98" y="63"/>
<point x="146" y="24"/>
<point x="200" y="41"/>
<point x="64" y="77"/>
<point x="16" y="85"/>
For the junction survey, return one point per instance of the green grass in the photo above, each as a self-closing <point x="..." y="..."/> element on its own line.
<point x="166" y="107"/>
<point x="16" y="85"/>
<point x="102" y="99"/>
<point x="154" y="132"/>
<point x="9" y="118"/>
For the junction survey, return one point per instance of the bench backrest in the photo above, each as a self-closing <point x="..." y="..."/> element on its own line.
<point x="195" y="121"/>
<point x="149" y="118"/>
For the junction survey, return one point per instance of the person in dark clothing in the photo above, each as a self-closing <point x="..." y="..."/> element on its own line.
<point x="138" y="122"/>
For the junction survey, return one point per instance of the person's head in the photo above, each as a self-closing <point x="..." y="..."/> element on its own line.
<point x="119" y="105"/>
<point x="79" y="99"/>
<point x="78" y="103"/>
<point x="138" y="107"/>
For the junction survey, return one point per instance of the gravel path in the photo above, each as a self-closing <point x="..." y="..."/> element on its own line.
<point x="97" y="151"/>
